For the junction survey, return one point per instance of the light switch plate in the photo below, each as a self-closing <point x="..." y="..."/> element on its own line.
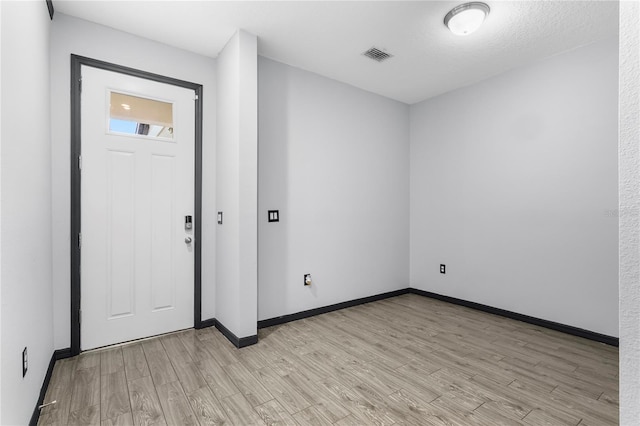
<point x="25" y="362"/>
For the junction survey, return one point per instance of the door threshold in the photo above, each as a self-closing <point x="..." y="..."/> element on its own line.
<point x="131" y="342"/>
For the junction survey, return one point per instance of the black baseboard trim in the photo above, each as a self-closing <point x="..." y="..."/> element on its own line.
<point x="247" y="341"/>
<point x="323" y="310"/>
<point x="62" y="353"/>
<point x="239" y="342"/>
<point x="575" y="331"/>
<point x="211" y="322"/>
<point x="57" y="354"/>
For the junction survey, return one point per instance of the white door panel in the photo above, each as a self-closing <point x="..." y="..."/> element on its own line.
<point x="136" y="269"/>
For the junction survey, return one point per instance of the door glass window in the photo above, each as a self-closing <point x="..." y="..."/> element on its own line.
<point x="133" y="115"/>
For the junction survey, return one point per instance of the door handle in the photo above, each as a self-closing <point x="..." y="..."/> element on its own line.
<point x="187" y="240"/>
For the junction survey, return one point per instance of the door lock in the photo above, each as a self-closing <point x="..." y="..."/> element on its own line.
<point x="188" y="222"/>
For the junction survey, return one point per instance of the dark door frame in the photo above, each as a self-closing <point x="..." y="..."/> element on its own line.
<point x="76" y="144"/>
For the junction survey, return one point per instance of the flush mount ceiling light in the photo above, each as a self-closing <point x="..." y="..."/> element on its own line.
<point x="466" y="18"/>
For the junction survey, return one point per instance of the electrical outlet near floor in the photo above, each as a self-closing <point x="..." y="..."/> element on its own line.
<point x="25" y="362"/>
<point x="442" y="269"/>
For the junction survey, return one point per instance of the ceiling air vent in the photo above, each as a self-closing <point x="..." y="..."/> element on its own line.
<point x="377" y="54"/>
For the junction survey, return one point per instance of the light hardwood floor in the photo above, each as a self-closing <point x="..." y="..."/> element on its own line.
<point x="404" y="360"/>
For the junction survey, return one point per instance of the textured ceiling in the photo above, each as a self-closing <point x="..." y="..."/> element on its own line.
<point x="329" y="37"/>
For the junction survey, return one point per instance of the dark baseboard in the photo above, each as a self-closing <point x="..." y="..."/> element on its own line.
<point x="247" y="341"/>
<point x="62" y="353"/>
<point x="57" y="354"/>
<point x="239" y="342"/>
<point x="575" y="331"/>
<point x="211" y="322"/>
<point x="323" y="310"/>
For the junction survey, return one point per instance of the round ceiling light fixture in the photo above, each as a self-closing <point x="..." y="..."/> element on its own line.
<point x="466" y="18"/>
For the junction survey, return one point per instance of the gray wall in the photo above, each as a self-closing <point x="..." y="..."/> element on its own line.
<point x="25" y="227"/>
<point x="334" y="160"/>
<point x="514" y="188"/>
<point x="72" y="35"/>
<point x="629" y="157"/>
<point x="237" y="191"/>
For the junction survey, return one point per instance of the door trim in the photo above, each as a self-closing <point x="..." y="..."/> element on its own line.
<point x="76" y="145"/>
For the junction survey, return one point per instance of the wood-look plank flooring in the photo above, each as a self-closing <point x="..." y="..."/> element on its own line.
<point x="405" y="360"/>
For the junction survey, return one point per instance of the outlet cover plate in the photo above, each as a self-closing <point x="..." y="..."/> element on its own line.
<point x="443" y="269"/>
<point x="25" y="362"/>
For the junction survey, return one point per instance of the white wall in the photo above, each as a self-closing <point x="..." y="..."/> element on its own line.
<point x="629" y="157"/>
<point x="236" y="292"/>
<point x="0" y="212"/>
<point x="514" y="188"/>
<point x="334" y="160"/>
<point x="26" y="206"/>
<point x="74" y="36"/>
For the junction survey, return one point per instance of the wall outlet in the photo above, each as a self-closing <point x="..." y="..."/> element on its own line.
<point x="307" y="279"/>
<point x="25" y="362"/>
<point x="442" y="269"/>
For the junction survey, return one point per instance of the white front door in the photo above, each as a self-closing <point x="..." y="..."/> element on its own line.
<point x="137" y="174"/>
